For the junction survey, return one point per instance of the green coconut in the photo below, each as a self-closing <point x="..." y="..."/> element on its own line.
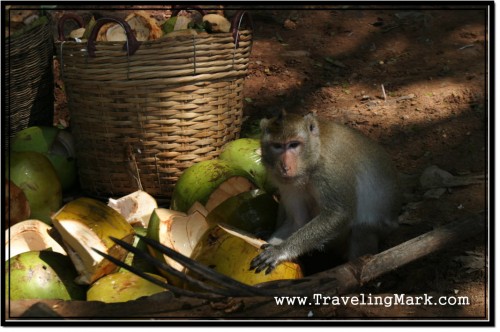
<point x="37" y="178"/>
<point x="254" y="212"/>
<point x="41" y="275"/>
<point x="200" y="180"/>
<point x="56" y="144"/>
<point x="245" y="153"/>
<point x="122" y="287"/>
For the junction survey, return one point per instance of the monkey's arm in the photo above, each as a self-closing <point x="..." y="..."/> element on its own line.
<point x="313" y="235"/>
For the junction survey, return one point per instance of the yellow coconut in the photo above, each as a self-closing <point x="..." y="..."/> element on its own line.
<point x="229" y="251"/>
<point x="122" y="287"/>
<point x="85" y="224"/>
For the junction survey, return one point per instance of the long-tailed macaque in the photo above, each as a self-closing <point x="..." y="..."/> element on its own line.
<point x="334" y="184"/>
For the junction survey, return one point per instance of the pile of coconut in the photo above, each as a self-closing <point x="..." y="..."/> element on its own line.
<point x="145" y="27"/>
<point x="220" y="211"/>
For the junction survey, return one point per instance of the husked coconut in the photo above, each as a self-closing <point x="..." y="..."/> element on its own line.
<point x="136" y="207"/>
<point x="216" y="23"/>
<point x="178" y="231"/>
<point x="143" y="26"/>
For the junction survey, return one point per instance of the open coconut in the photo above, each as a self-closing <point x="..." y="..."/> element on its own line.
<point x="227" y="189"/>
<point x="136" y="207"/>
<point x="199" y="181"/>
<point x="122" y="287"/>
<point x="230" y="251"/>
<point x="253" y="211"/>
<point x="85" y="224"/>
<point x="178" y="231"/>
<point x="30" y="235"/>
<point x="143" y="26"/>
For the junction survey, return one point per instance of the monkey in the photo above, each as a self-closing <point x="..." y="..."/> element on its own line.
<point x="335" y="184"/>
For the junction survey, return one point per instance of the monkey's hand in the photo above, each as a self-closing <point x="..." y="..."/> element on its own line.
<point x="268" y="259"/>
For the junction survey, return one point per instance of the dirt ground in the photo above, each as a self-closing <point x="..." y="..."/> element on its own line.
<point x="416" y="81"/>
<point x="431" y="64"/>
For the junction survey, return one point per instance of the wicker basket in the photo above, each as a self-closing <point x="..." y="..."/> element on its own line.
<point x="141" y="113"/>
<point x="29" y="82"/>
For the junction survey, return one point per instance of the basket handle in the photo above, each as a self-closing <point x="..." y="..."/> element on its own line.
<point x="236" y="23"/>
<point x="132" y="44"/>
<point x="69" y="16"/>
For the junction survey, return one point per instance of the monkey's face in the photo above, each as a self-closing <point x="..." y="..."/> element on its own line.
<point x="290" y="147"/>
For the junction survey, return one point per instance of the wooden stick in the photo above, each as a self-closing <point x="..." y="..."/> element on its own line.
<point x="348" y="277"/>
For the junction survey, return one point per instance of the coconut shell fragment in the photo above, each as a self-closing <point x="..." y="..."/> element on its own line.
<point x="30" y="235"/>
<point x="17" y="207"/>
<point x="229" y="251"/>
<point x="85" y="224"/>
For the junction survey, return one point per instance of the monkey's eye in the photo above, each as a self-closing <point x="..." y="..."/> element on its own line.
<point x="277" y="146"/>
<point x="293" y="145"/>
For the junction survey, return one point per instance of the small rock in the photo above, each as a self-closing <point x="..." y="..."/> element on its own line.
<point x="434" y="177"/>
<point x="289" y="24"/>
<point x="434" y="193"/>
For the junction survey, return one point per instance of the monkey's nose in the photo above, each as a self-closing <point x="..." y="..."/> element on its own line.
<point x="285" y="169"/>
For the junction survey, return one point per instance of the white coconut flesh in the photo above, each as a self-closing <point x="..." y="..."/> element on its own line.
<point x="180" y="232"/>
<point x="229" y="188"/>
<point x="81" y="239"/>
<point x="136" y="207"/>
<point x="30" y="235"/>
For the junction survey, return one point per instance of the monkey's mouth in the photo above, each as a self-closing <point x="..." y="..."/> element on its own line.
<point x="287" y="177"/>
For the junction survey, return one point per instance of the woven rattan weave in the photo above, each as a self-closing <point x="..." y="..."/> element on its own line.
<point x="29" y="81"/>
<point x="139" y="120"/>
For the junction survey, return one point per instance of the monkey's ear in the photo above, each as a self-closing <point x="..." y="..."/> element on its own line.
<point x="312" y="123"/>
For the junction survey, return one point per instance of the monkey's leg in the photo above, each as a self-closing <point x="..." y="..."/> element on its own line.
<point x="313" y="235"/>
